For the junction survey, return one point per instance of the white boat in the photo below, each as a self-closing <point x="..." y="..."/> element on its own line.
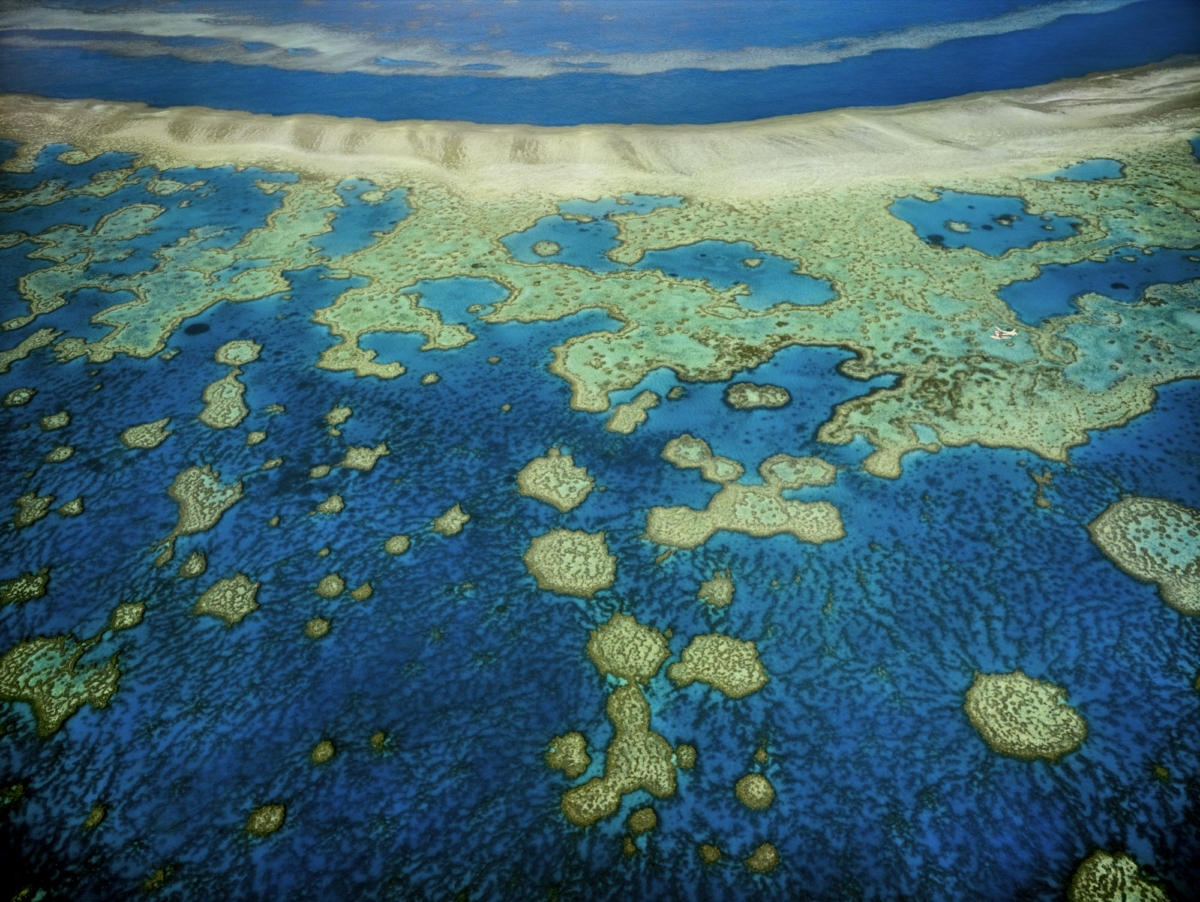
<point x="1002" y="334"/>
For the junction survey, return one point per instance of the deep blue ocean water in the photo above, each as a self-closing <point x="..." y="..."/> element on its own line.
<point x="884" y="790"/>
<point x="1071" y="46"/>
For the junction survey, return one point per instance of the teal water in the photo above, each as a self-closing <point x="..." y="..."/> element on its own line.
<point x="985" y="222"/>
<point x="1087" y="171"/>
<point x="1123" y="276"/>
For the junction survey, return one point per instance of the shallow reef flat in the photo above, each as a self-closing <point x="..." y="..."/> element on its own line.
<point x="605" y="512"/>
<point x="907" y="306"/>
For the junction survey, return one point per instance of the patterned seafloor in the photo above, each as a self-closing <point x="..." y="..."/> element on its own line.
<point x="440" y="691"/>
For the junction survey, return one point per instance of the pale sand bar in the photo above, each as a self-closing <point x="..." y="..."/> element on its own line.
<point x="996" y="133"/>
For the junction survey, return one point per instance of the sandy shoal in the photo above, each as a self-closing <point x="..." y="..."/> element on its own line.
<point x="1017" y="132"/>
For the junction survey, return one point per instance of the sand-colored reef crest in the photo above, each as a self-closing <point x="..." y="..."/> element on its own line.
<point x="756" y="510"/>
<point x="571" y="562"/>
<point x="556" y="480"/>
<point x="266" y="820"/>
<point x="1023" y="717"/>
<point x="624" y="648"/>
<point x="1105" y="877"/>
<point x="44" y="672"/>
<point x="1155" y="541"/>
<point x="202" y="500"/>
<point x="755" y="792"/>
<point x="727" y="664"/>
<point x="637" y="758"/>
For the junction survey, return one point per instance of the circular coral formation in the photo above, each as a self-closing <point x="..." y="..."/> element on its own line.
<point x="642" y="821"/>
<point x="396" y="545"/>
<point x="320" y="471"/>
<point x="1104" y="877"/>
<point x="764" y="859"/>
<point x="19" y="397"/>
<point x="1155" y="541"/>
<point x="257" y="437"/>
<point x="317" y="628"/>
<point x="685" y="756"/>
<point x="755" y="791"/>
<point x="229" y="599"/>
<point x="625" y="648"/>
<point x="709" y="853"/>
<point x="237" y="353"/>
<point x="323" y="751"/>
<point x="1024" y="718"/>
<point x="363" y="592"/>
<point x="748" y="395"/>
<point x="571" y="562"/>
<point x="546" y="248"/>
<point x="725" y="663"/>
<point x="265" y="820"/>
<point x="331" y="586"/>
<point x="568" y="753"/>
